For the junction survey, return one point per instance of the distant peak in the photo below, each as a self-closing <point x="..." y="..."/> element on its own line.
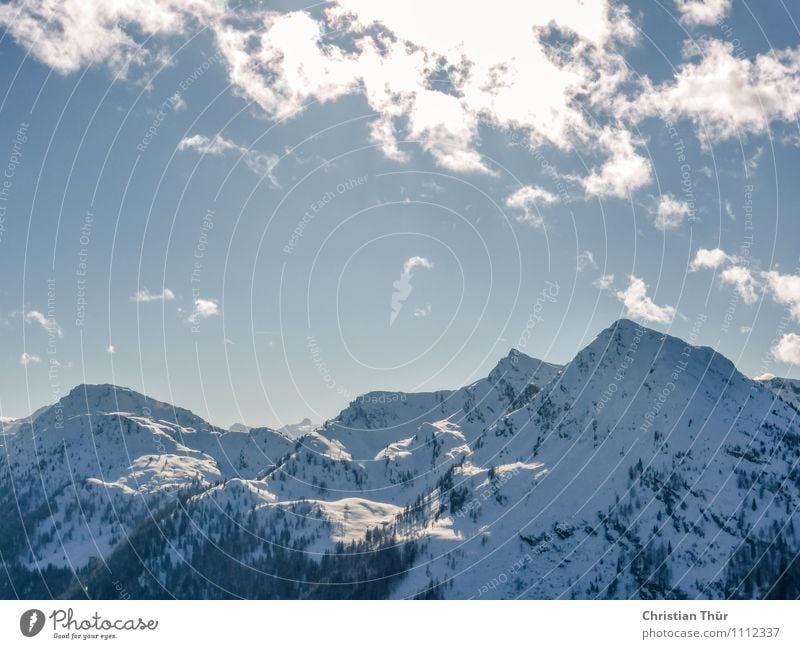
<point x="94" y="391"/>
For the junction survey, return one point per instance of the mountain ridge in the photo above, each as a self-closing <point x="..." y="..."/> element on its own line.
<point x="645" y="467"/>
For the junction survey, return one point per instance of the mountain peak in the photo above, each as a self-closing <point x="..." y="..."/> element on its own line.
<point x="519" y="363"/>
<point x="106" y="398"/>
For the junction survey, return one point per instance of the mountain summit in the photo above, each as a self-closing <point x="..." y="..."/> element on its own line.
<point x="644" y="468"/>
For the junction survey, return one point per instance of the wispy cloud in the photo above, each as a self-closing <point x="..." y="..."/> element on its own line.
<point x="585" y="260"/>
<point x="144" y="295"/>
<point x="423" y="312"/>
<point x="259" y="163"/>
<point x="48" y="324"/>
<point x="402" y="285"/>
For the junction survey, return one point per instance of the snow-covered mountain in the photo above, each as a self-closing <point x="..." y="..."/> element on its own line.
<point x="645" y="468"/>
<point x="299" y="429"/>
<point x="786" y="389"/>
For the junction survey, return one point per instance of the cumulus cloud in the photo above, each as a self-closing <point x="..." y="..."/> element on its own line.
<point x="260" y="164"/>
<point x="28" y="359"/>
<point x="702" y="12"/>
<point x="529" y="195"/>
<point x="743" y="281"/>
<point x="145" y="295"/>
<point x="746" y="284"/>
<point x="787" y="350"/>
<point x="439" y="83"/>
<point x="202" y="309"/>
<point x="705" y="258"/>
<point x="48" y="324"/>
<point x="725" y="95"/>
<point x="785" y="289"/>
<point x="639" y="305"/>
<point x="671" y="212"/>
<point x="69" y="34"/>
<point x="623" y="172"/>
<point x="286" y="61"/>
<point x="527" y="199"/>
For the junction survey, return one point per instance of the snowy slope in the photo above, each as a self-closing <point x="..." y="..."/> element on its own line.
<point x="639" y="472"/>
<point x="786" y="389"/>
<point x="645" y="468"/>
<point x="104" y="454"/>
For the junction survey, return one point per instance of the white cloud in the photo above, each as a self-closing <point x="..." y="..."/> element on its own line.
<point x="705" y="258"/>
<point x="69" y="34"/>
<point x="260" y="164"/>
<point x="529" y="195"/>
<point x="604" y="282"/>
<point x="639" y="306"/>
<point x="202" y="309"/>
<point x="743" y="281"/>
<point x="702" y="12"/>
<point x="416" y="262"/>
<point x="402" y="286"/>
<point x="785" y="289"/>
<point x="729" y="210"/>
<point x="27" y="359"/>
<point x="48" y="324"/>
<point x="751" y="163"/>
<point x="725" y="95"/>
<point x="382" y="51"/>
<point x="787" y="350"/>
<point x="177" y="102"/>
<point x="671" y="212"/>
<point x="623" y="172"/>
<point x="527" y="199"/>
<point x="145" y="295"/>
<point x="423" y="312"/>
<point x="585" y="260"/>
<point x="286" y="62"/>
<point x="766" y="376"/>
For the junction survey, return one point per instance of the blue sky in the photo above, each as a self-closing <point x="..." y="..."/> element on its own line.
<point x="261" y="212"/>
